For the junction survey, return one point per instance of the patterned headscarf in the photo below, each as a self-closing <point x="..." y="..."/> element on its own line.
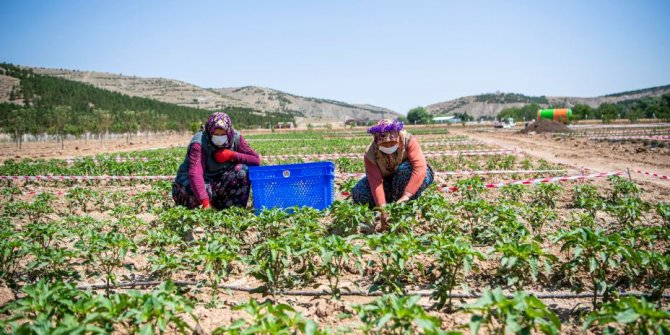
<point x="220" y="120"/>
<point x="386" y="130"/>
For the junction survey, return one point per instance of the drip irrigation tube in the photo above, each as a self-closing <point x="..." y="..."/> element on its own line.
<point x="344" y="292"/>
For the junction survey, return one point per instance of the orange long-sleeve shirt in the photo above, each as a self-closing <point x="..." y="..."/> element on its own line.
<point x="416" y="159"/>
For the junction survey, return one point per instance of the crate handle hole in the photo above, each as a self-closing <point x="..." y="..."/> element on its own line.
<point x="286" y="173"/>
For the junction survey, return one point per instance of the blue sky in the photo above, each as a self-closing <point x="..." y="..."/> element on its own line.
<point x="396" y="54"/>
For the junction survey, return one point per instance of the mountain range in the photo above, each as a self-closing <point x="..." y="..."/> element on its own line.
<point x="305" y="109"/>
<point x="493" y="103"/>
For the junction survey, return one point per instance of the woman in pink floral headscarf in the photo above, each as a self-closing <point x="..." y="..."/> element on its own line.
<point x="214" y="172"/>
<point x="395" y="168"/>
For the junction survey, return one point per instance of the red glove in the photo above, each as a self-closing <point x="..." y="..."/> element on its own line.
<point x="224" y="155"/>
<point x="205" y="203"/>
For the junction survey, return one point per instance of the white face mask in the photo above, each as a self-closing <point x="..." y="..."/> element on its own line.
<point x="390" y="150"/>
<point x="219" y="141"/>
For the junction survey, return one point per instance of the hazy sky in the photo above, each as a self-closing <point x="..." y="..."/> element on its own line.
<point x="388" y="53"/>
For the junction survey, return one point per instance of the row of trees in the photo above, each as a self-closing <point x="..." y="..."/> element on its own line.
<point x="420" y="115"/>
<point x="648" y="107"/>
<point x="502" y="98"/>
<point x="44" y="104"/>
<point x="657" y="107"/>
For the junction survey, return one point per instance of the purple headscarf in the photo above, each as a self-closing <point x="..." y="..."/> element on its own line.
<point x="386" y="130"/>
<point x="221" y="120"/>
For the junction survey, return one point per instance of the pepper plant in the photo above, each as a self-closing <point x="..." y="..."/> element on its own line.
<point x="630" y="315"/>
<point x="79" y="197"/>
<point x="105" y="252"/>
<point x="622" y="188"/>
<point x="545" y="194"/>
<point x="268" y="319"/>
<point x="628" y="210"/>
<point x="663" y="210"/>
<point x="454" y="257"/>
<point x="272" y="261"/>
<point x="513" y="192"/>
<point x="471" y="188"/>
<point x="216" y="255"/>
<point x="157" y="311"/>
<point x="521" y="314"/>
<point x="395" y="254"/>
<point x="596" y="253"/>
<point x="394" y="314"/>
<point x="521" y="261"/>
<point x="56" y="308"/>
<point x="12" y="250"/>
<point x="335" y="254"/>
<point x="537" y="217"/>
<point x="586" y="196"/>
<point x="348" y="218"/>
<point x="402" y="217"/>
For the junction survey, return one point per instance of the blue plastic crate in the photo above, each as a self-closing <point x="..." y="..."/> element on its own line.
<point x="289" y="185"/>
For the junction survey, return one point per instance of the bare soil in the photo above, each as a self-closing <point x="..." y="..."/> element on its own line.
<point x="572" y="153"/>
<point x="545" y="126"/>
<point x="577" y="153"/>
<point x="80" y="148"/>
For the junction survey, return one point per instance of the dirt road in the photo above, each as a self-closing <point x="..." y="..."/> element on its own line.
<point x="579" y="152"/>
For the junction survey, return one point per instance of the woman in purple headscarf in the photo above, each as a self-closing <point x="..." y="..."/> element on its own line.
<point x="395" y="168"/>
<point x="214" y="172"/>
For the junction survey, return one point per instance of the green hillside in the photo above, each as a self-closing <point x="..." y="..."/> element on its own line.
<point x="633" y="109"/>
<point x="506" y="98"/>
<point x="649" y="90"/>
<point x="55" y="105"/>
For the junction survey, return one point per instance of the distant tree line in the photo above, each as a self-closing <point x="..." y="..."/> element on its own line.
<point x="648" y="107"/>
<point x="527" y="112"/>
<point x="419" y="115"/>
<point x="506" y="98"/>
<point x="59" y="106"/>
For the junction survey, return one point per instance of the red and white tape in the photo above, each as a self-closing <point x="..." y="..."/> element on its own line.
<point x="116" y="159"/>
<point x="428" y="153"/>
<point x="339" y="175"/>
<point x="652" y="174"/>
<point x="59" y="193"/>
<point x="540" y="180"/>
<point x="440" y="144"/>
<point x="622" y="132"/>
<point x="83" y="178"/>
<point x="443" y="189"/>
<point x="620" y="126"/>
<point x="465" y="173"/>
<point x="650" y="137"/>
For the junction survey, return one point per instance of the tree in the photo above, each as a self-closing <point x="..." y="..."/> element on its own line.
<point x="582" y="112"/>
<point x="665" y="108"/>
<point x="526" y="113"/>
<point x="88" y="124"/>
<point x="128" y="123"/>
<point x="419" y="115"/>
<point x="16" y="124"/>
<point x="59" y="117"/>
<point x="634" y="115"/>
<point x="104" y="119"/>
<point x="160" y="124"/>
<point x="144" y="118"/>
<point x="608" y="112"/>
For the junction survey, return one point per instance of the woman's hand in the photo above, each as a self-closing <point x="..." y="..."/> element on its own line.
<point x="405" y="197"/>
<point x="205" y="204"/>
<point x="224" y="155"/>
<point x="383" y="222"/>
